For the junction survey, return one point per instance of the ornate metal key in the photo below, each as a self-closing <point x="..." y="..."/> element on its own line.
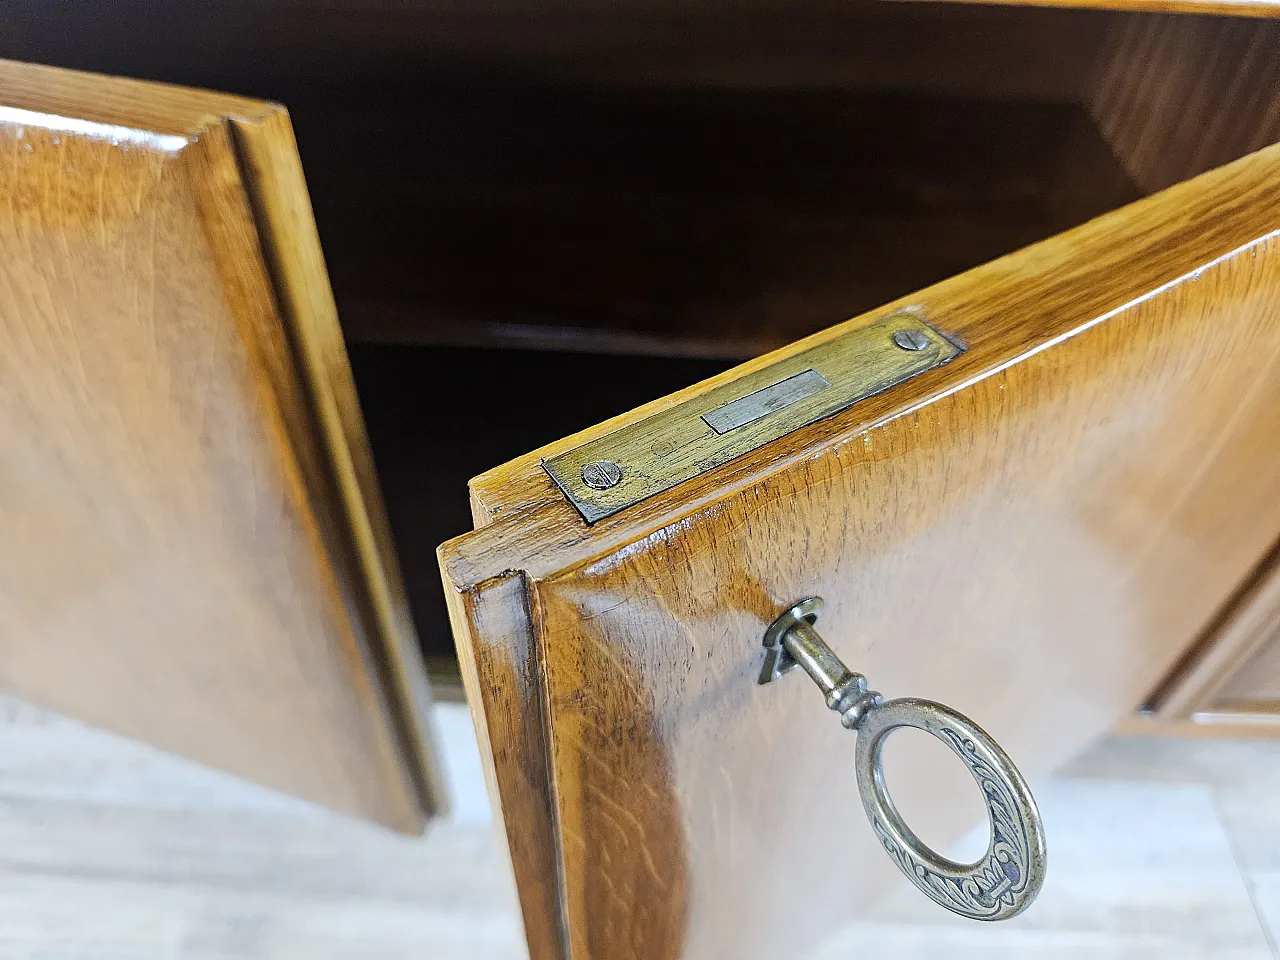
<point x="1001" y="883"/>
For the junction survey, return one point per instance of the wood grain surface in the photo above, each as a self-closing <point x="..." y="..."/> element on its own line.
<point x="1266" y="9"/>
<point x="1232" y="675"/>
<point x="278" y="191"/>
<point x="498" y="654"/>
<point x="190" y="561"/>
<point x="1177" y="96"/>
<point x="1034" y="534"/>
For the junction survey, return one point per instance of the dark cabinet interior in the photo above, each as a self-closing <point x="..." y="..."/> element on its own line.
<point x="536" y="217"/>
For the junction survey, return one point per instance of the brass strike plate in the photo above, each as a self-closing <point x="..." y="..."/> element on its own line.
<point x="652" y="455"/>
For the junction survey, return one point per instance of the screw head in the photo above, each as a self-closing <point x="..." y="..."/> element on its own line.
<point x="910" y="339"/>
<point x="601" y="474"/>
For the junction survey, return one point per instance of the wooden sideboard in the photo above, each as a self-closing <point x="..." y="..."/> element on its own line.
<point x="254" y="355"/>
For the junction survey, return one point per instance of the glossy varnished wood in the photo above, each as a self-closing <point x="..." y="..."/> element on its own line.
<point x="1231" y="677"/>
<point x="1267" y="9"/>
<point x="1177" y="96"/>
<point x="278" y="190"/>
<point x="196" y="552"/>
<point x="1033" y="534"/>
<point x="497" y="651"/>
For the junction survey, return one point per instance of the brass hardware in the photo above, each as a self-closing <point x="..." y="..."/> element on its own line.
<point x="703" y="432"/>
<point x="910" y="339"/>
<point x="1004" y="880"/>
<point x="601" y="475"/>
<point x="754" y="406"/>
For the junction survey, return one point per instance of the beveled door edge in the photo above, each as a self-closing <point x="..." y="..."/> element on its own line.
<point x="1242" y="627"/>
<point x="273" y="179"/>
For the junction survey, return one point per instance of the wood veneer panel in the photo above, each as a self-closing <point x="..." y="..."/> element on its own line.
<point x="1033" y="533"/>
<point x="187" y="566"/>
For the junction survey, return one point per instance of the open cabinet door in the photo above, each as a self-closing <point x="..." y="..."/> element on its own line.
<point x="1031" y="525"/>
<point x="195" y="549"/>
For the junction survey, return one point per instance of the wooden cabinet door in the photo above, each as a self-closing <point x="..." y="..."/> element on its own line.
<point x="1032" y="533"/>
<point x="195" y="552"/>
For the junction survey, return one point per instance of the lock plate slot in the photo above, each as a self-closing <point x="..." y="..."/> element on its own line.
<point x="649" y="456"/>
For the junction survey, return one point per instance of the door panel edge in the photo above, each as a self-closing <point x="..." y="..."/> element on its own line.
<point x="1247" y="623"/>
<point x="1086" y="273"/>
<point x="495" y="634"/>
<point x="393" y="795"/>
<point x="274" y="181"/>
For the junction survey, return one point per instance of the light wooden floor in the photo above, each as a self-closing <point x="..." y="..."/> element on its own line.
<point x="1167" y="849"/>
